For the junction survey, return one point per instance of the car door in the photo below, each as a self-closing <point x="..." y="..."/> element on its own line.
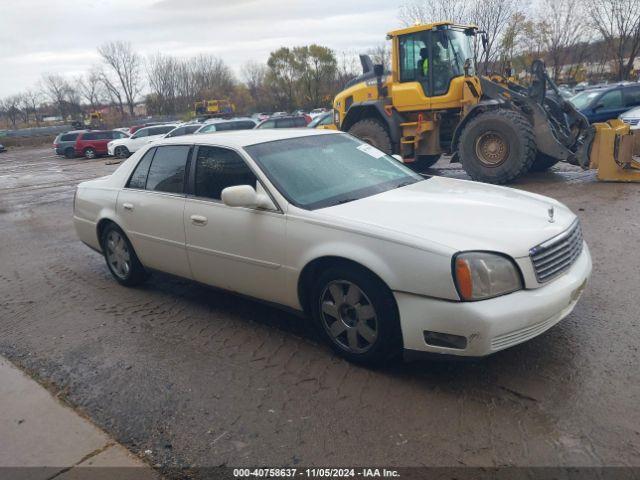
<point x="140" y="138"/>
<point x="238" y="249"/>
<point x="151" y="206"/>
<point x="608" y="106"/>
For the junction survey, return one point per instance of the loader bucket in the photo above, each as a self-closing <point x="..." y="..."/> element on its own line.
<point x="613" y="152"/>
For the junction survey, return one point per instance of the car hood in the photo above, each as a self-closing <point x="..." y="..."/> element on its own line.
<point x="450" y="215"/>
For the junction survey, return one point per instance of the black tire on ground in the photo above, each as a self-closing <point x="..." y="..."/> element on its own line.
<point x="121" y="152"/>
<point x="374" y="133"/>
<point x="90" y="153"/>
<point x="543" y="162"/>
<point x="70" y="153"/>
<point x="422" y="162"/>
<point x="353" y="315"/>
<point x="113" y="251"/>
<point x="497" y="146"/>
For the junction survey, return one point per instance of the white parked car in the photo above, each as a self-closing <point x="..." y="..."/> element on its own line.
<point x="126" y="146"/>
<point x="221" y="125"/>
<point x="381" y="258"/>
<point x="632" y="117"/>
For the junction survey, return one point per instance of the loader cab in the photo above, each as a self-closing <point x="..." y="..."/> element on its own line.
<point x="430" y="61"/>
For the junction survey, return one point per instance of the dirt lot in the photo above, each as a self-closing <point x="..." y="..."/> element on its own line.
<point x="202" y="377"/>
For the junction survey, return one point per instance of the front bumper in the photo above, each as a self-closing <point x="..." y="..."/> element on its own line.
<point x="494" y="324"/>
<point x="110" y="149"/>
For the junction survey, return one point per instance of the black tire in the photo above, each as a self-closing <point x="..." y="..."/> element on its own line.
<point x="121" y="152"/>
<point x="497" y="146"/>
<point x="374" y="133"/>
<point x="90" y="153"/>
<point x="135" y="274"/>
<point x="70" y="153"/>
<point x="543" y="162"/>
<point x="375" y="294"/>
<point x="423" y="162"/>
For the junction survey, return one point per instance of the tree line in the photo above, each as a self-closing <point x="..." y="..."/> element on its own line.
<point x="580" y="40"/>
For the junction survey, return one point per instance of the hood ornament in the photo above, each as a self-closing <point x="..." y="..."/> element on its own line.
<point x="551" y="213"/>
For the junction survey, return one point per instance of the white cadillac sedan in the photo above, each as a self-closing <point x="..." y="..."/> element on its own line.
<point x="382" y="259"/>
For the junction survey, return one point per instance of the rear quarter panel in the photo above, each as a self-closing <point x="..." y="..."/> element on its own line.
<point x="94" y="201"/>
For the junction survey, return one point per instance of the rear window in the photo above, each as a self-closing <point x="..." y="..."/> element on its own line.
<point x="69" y="137"/>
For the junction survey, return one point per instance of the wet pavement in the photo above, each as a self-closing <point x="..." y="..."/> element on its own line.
<point x="202" y="377"/>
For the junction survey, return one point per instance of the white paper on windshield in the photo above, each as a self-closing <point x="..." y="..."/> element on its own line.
<point x="373" y="151"/>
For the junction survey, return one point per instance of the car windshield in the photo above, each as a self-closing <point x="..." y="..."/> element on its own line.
<point x="583" y="99"/>
<point x="323" y="170"/>
<point x="316" y="121"/>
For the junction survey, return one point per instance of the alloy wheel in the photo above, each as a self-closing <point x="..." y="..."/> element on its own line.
<point x="118" y="255"/>
<point x="348" y="316"/>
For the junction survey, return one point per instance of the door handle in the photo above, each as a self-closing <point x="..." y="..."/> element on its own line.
<point x="198" y="220"/>
<point x="127" y="206"/>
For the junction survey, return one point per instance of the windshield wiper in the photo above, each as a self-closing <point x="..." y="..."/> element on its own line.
<point x="346" y="200"/>
<point x="404" y="184"/>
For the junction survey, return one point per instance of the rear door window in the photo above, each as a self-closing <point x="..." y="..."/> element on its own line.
<point x="284" y="123"/>
<point x="69" y="137"/>
<point x="160" y="130"/>
<point x="166" y="173"/>
<point x="139" y="177"/>
<point x="268" y="124"/>
<point x="632" y="96"/>
<point x="611" y="99"/>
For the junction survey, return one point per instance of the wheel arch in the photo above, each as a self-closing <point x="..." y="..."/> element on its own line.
<point x="102" y="224"/>
<point x="313" y="268"/>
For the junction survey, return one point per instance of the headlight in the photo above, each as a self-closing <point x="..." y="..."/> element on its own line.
<point x="481" y="275"/>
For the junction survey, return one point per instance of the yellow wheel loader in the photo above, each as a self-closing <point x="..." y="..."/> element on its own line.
<point x="433" y="102"/>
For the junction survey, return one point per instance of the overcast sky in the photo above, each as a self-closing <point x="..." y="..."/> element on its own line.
<point x="61" y="36"/>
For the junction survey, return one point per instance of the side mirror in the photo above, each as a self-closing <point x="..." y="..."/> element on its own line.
<point x="247" y="197"/>
<point x="398" y="157"/>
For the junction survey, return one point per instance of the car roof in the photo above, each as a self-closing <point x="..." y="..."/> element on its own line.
<point x="226" y="120"/>
<point x="244" y="138"/>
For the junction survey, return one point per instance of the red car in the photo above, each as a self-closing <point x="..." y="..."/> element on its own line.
<point x="94" y="142"/>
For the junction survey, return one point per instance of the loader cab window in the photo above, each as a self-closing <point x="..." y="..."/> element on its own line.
<point x="434" y="58"/>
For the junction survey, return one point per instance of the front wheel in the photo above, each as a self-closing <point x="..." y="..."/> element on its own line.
<point x="121" y="259"/>
<point x="497" y="146"/>
<point x="357" y="315"/>
<point x="374" y="133"/>
<point x="121" y="152"/>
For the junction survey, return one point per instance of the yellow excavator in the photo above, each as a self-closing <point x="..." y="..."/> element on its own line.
<point x="433" y="102"/>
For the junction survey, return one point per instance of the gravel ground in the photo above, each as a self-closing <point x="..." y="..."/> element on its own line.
<point x="203" y="377"/>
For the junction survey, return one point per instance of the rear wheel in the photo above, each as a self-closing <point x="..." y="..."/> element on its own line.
<point x="69" y="153"/>
<point x="543" y="162"/>
<point x="121" y="152"/>
<point x="357" y="315"/>
<point x="90" y="153"/>
<point x="374" y="133"/>
<point x="497" y="146"/>
<point x="121" y="259"/>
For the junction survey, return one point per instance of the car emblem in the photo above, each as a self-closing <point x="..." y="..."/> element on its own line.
<point x="551" y="212"/>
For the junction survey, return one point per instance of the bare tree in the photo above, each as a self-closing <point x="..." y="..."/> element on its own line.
<point x="31" y="101"/>
<point x="618" y="22"/>
<point x="381" y="54"/>
<point x="56" y="87"/>
<point x="10" y="108"/>
<point x="163" y="77"/>
<point x="125" y="64"/>
<point x="560" y="23"/>
<point x="493" y="17"/>
<point x="91" y="88"/>
<point x="426" y="11"/>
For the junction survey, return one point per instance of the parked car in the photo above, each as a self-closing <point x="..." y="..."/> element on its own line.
<point x="317" y="111"/>
<point x="260" y="116"/>
<point x="280" y="114"/>
<point x="124" y="147"/>
<point x="284" y="122"/>
<point x="602" y="104"/>
<point x="93" y="143"/>
<point x="2" y="149"/>
<point x="632" y="117"/>
<point x="324" y="223"/>
<point x="65" y="143"/>
<point x="323" y="121"/>
<point x="220" y="125"/>
<point x="186" y="129"/>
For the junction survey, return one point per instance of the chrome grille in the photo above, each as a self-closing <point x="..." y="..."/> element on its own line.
<point x="631" y="121"/>
<point x="556" y="255"/>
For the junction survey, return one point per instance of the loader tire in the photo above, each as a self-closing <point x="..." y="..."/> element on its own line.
<point x="374" y="133"/>
<point x="543" y="162"/>
<point x="497" y="146"/>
